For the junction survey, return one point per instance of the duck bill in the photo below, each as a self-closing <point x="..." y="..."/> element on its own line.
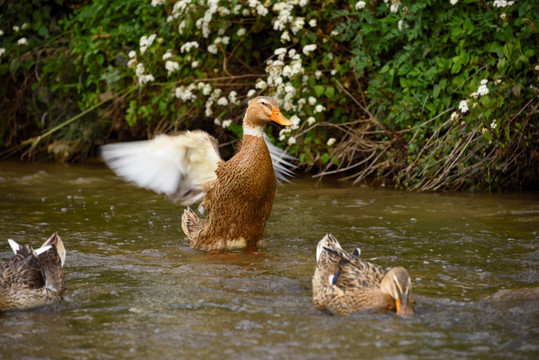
<point x="403" y="308"/>
<point x="277" y="117"/>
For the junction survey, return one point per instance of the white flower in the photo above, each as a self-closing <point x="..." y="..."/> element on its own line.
<point x="16" y="28"/>
<point x="194" y="64"/>
<point x="131" y="63"/>
<point x="401" y="24"/>
<point x="360" y="5"/>
<point x="223" y="101"/>
<point x="502" y="3"/>
<point x="319" y="108"/>
<point x="285" y="36"/>
<point x="334" y="33"/>
<point x="454" y="116"/>
<point x="536" y="67"/>
<point x="223" y="11"/>
<point x="261" y="10"/>
<point x="167" y="55"/>
<point x="307" y="49"/>
<point x="171" y="66"/>
<point x="225" y="40"/>
<point x="317" y="74"/>
<point x="292" y="53"/>
<point x="132" y="54"/>
<point x="226" y="123"/>
<point x="185" y="94"/>
<point x="188" y="46"/>
<point x="312" y="23"/>
<point x="453" y="2"/>
<point x="251" y="92"/>
<point x="25" y="26"/>
<point x="158" y="2"/>
<point x="217" y="122"/>
<point x="139" y="71"/>
<point x="22" y="41"/>
<point x="245" y="12"/>
<point x="312" y="100"/>
<point x="463" y="106"/>
<point x="394" y="7"/>
<point x="311" y="120"/>
<point x="475" y="95"/>
<point x="261" y="84"/>
<point x="236" y="9"/>
<point x="181" y="27"/>
<point x="145" y="79"/>
<point x="498" y="82"/>
<point x="483" y="90"/>
<point x="145" y="42"/>
<point x="333" y="72"/>
<point x="331" y="141"/>
<point x="493" y="125"/>
<point x="484" y="82"/>
<point x="2" y="51"/>
<point x="241" y="32"/>
<point x="291" y="140"/>
<point x="1" y="32"/>
<point x="280" y="51"/>
<point x="212" y="49"/>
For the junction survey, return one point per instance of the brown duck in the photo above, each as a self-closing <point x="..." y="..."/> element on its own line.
<point x="33" y="278"/>
<point x="236" y="194"/>
<point x="343" y="283"/>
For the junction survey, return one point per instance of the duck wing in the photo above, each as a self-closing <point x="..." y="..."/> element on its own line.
<point x="281" y="161"/>
<point x="180" y="166"/>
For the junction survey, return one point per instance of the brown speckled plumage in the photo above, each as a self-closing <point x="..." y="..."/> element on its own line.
<point x="343" y="283"/>
<point x="239" y="201"/>
<point x="30" y="280"/>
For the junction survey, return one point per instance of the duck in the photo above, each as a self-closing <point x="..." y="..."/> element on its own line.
<point x="344" y="283"/>
<point x="33" y="278"/>
<point x="237" y="195"/>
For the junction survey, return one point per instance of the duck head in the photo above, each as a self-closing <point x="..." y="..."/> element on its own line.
<point x="397" y="284"/>
<point x="261" y="111"/>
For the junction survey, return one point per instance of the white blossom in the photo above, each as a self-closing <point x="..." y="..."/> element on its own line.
<point x="261" y="84"/>
<point x="232" y="97"/>
<point x="194" y="64"/>
<point x="453" y="2"/>
<point x="463" y="106"/>
<point x="132" y="54"/>
<point x="145" y="42"/>
<point x="25" y="26"/>
<point x="167" y="55"/>
<point x="158" y="2"/>
<point x="394" y="7"/>
<point x="22" y="41"/>
<point x="251" y="92"/>
<point x="145" y="79"/>
<point x="185" y="93"/>
<point x="226" y="123"/>
<point x="223" y="101"/>
<point x="241" y="32"/>
<point x="16" y="28"/>
<point x="502" y="3"/>
<point x="212" y="49"/>
<point x="482" y="90"/>
<point x="217" y="122"/>
<point x="307" y="49"/>
<point x="493" y="125"/>
<point x="331" y="141"/>
<point x="317" y="74"/>
<point x="360" y="5"/>
<point x="171" y="66"/>
<point x="311" y="120"/>
<point x="2" y="51"/>
<point x="139" y="71"/>
<point x="454" y="116"/>
<point x="319" y="108"/>
<point x="131" y="63"/>
<point x="181" y="27"/>
<point x="312" y="100"/>
<point x="312" y="23"/>
<point x="1" y="32"/>
<point x="291" y="140"/>
<point x="285" y="36"/>
<point x="188" y="46"/>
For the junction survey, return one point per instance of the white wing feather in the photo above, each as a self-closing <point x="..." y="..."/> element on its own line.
<point x="280" y="160"/>
<point x="178" y="166"/>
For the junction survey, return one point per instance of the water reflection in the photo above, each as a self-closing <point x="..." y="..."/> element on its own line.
<point x="136" y="290"/>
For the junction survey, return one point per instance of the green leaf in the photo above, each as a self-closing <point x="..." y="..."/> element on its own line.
<point x="330" y="92"/>
<point x="318" y="90"/>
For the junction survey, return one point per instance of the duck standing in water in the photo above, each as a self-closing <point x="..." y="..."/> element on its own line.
<point x="343" y="283"/>
<point x="33" y="278"/>
<point x="237" y="194"/>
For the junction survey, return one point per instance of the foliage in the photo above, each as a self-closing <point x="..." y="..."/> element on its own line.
<point x="383" y="90"/>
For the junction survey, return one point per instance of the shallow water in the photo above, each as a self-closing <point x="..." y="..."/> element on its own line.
<point x="136" y="290"/>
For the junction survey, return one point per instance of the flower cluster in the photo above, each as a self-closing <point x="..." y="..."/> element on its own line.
<point x="502" y="3"/>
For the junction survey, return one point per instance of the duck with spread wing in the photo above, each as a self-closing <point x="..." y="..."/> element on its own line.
<point x="237" y="194"/>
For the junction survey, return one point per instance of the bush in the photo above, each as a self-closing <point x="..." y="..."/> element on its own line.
<point x="430" y="95"/>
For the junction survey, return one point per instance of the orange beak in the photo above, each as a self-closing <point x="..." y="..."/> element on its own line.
<point x="405" y="309"/>
<point x="279" y="118"/>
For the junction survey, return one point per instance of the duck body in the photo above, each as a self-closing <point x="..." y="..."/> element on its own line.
<point x="33" y="278"/>
<point x="240" y="202"/>
<point x="237" y="194"/>
<point x="343" y="283"/>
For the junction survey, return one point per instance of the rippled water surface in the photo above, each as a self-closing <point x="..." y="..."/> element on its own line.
<point x="136" y="289"/>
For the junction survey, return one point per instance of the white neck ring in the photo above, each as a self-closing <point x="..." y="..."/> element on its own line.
<point x="257" y="131"/>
